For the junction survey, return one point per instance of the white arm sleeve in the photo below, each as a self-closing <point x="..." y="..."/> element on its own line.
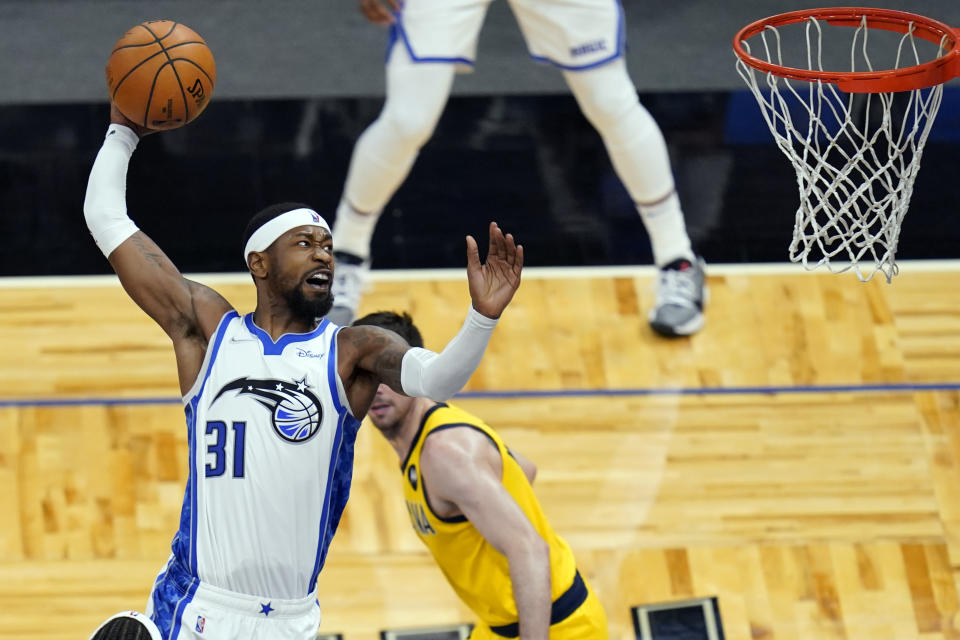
<point x="105" y="207"/>
<point x="424" y="373"/>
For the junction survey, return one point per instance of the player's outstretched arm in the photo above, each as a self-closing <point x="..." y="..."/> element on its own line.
<point x="185" y="310"/>
<point x="371" y="355"/>
<point x="463" y="471"/>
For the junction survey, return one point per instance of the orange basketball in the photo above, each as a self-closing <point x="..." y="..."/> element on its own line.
<point x="161" y="74"/>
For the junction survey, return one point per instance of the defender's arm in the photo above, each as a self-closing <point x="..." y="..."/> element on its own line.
<point x="464" y="471"/>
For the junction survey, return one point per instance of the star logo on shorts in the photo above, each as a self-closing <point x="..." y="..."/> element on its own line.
<point x="265" y="609"/>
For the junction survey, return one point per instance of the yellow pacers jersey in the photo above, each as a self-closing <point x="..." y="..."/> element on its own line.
<point x="477" y="571"/>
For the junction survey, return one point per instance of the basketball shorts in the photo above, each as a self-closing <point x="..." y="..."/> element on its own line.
<point x="587" y="622"/>
<point x="570" y="34"/>
<point x="186" y="609"/>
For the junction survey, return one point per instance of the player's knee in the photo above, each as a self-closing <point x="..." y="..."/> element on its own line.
<point x="412" y="125"/>
<point x="607" y="107"/>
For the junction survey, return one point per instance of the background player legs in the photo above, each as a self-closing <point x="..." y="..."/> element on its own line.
<point x="637" y="150"/>
<point x="382" y="158"/>
<point x="416" y="96"/>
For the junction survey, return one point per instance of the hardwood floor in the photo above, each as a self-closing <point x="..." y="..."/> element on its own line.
<point x="799" y="459"/>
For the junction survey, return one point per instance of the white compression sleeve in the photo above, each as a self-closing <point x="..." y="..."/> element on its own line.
<point x="387" y="149"/>
<point x="424" y="373"/>
<point x="638" y="152"/>
<point x="105" y="206"/>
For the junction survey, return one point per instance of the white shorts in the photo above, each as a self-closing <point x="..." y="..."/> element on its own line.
<point x="570" y="34"/>
<point x="185" y="609"/>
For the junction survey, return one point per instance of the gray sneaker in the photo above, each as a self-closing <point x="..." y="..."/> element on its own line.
<point x="349" y="283"/>
<point x="128" y="625"/>
<point x="681" y="296"/>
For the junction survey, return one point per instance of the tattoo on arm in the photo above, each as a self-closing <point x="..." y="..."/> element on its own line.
<point x="381" y="353"/>
<point x="181" y="308"/>
<point x="147" y="252"/>
<point x="387" y="366"/>
<point x="207" y="307"/>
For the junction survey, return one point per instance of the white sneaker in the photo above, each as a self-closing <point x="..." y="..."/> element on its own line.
<point x="681" y="296"/>
<point x="349" y="283"/>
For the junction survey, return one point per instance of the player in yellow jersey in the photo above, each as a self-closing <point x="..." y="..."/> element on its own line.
<point x="471" y="502"/>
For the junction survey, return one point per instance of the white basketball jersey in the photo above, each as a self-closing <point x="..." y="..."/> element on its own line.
<point x="271" y="457"/>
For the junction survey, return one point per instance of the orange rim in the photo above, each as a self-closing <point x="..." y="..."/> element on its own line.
<point x="918" y="76"/>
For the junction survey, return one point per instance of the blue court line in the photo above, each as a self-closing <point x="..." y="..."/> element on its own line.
<point x="715" y="391"/>
<point x="555" y="393"/>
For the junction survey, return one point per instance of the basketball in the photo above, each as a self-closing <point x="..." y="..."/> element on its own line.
<point x="161" y="74"/>
<point x="296" y="419"/>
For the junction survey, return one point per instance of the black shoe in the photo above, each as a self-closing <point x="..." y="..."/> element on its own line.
<point x="127" y="625"/>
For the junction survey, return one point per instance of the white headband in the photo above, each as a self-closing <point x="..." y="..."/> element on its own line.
<point x="270" y="231"/>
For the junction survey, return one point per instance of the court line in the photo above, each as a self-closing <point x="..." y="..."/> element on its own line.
<point x="552" y="393"/>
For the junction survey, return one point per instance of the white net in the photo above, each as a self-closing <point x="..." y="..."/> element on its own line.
<point x="856" y="154"/>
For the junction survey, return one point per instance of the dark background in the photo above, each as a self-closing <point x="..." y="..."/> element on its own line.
<point x="299" y="81"/>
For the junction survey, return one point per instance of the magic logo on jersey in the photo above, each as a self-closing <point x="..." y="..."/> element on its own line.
<point x="295" y="411"/>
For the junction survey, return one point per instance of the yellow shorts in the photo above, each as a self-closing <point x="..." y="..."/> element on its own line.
<point x="588" y="622"/>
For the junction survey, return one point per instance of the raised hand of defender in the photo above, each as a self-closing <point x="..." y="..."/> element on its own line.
<point x="379" y="12"/>
<point x="493" y="283"/>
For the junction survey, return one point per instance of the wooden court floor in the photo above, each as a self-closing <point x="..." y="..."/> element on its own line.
<point x="799" y="459"/>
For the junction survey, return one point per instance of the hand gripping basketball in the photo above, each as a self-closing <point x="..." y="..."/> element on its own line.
<point x="161" y="75"/>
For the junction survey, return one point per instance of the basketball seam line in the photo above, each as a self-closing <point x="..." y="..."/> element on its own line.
<point x="151" y="57"/>
<point x="146" y="44"/>
<point x="137" y="66"/>
<point x="194" y="63"/>
<point x="152" y="84"/>
<point x="183" y="93"/>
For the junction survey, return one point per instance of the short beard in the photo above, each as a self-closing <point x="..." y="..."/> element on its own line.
<point x="306" y="309"/>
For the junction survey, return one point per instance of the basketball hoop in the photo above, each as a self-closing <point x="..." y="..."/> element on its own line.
<point x="854" y="137"/>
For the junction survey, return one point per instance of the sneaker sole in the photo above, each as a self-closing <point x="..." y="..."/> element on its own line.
<point x="688" y="328"/>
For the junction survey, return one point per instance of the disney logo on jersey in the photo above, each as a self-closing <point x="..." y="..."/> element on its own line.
<point x="306" y="353"/>
<point x="295" y="412"/>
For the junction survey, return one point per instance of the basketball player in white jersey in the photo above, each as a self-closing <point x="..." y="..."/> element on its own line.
<point x="273" y="400"/>
<point x="433" y="39"/>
